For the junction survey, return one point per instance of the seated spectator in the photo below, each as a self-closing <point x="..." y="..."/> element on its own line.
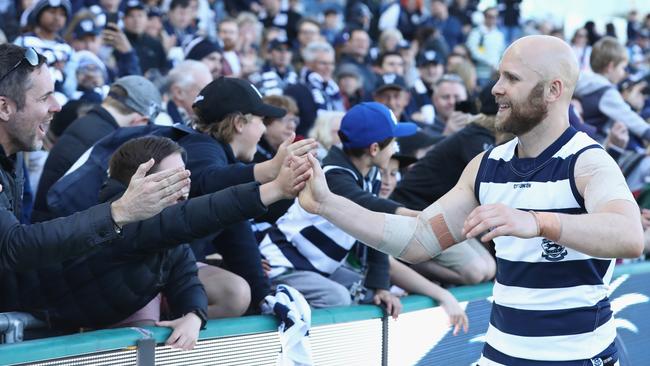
<point x="151" y="53"/>
<point x="309" y="30"/>
<point x="602" y="103"/>
<point x="185" y="81"/>
<point x="131" y="101"/>
<point x="208" y="52"/>
<point x="276" y="73"/>
<point x="430" y="67"/>
<point x="331" y="25"/>
<point x="228" y="31"/>
<point x="448" y="90"/>
<point x="448" y="25"/>
<point x="110" y="284"/>
<point x="305" y="251"/>
<point x="405" y="16"/>
<point x="356" y="52"/>
<point x="350" y="85"/>
<point x="179" y="22"/>
<point x="49" y="18"/>
<point x="316" y="91"/>
<point x="326" y="132"/>
<point x="229" y="125"/>
<point x="391" y="91"/>
<point x="273" y="14"/>
<point x="390" y="62"/>
<point x="486" y="44"/>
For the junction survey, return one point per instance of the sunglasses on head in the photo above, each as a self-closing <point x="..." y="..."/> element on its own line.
<point x="30" y="56"/>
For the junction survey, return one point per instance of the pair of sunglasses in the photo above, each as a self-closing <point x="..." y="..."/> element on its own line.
<point x="30" y="56"/>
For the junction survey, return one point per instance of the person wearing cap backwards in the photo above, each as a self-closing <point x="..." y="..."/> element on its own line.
<point x="368" y="133"/>
<point x="49" y="18"/>
<point x="208" y="52"/>
<point x="554" y="202"/>
<point x="229" y="124"/>
<point x="277" y="72"/>
<point x="131" y="101"/>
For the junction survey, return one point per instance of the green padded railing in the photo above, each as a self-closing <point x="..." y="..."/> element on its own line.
<point x="111" y="339"/>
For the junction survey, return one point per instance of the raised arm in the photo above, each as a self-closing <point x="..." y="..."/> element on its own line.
<point x="413" y="239"/>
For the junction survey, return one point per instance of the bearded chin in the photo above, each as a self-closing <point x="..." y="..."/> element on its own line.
<point x="524" y="117"/>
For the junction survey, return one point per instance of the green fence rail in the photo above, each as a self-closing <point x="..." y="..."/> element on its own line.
<point x="125" y="338"/>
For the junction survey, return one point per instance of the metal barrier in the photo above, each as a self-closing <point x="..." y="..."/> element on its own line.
<point x="358" y="335"/>
<point x="13" y="325"/>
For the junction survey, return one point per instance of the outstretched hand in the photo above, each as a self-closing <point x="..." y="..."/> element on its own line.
<point x="316" y="190"/>
<point x="499" y="220"/>
<point x="293" y="176"/>
<point x="290" y="148"/>
<point x="147" y="195"/>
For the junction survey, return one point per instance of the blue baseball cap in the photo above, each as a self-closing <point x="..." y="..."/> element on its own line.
<point x="367" y="123"/>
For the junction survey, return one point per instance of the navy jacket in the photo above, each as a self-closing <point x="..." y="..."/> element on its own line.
<point x="108" y="285"/>
<point x="214" y="167"/>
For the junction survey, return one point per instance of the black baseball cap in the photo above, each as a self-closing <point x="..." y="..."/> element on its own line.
<point x="389" y="81"/>
<point x="279" y="44"/>
<point x="427" y="57"/>
<point x="227" y="95"/>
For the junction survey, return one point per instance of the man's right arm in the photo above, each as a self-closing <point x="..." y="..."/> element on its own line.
<point x="413" y="239"/>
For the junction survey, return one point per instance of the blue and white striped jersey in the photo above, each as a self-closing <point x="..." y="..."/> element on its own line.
<point x="550" y="302"/>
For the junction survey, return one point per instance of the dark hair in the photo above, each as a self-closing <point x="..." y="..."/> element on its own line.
<point x="15" y="84"/>
<point x="176" y="3"/>
<point x="131" y="154"/>
<point x="359" y="151"/>
<point x="307" y="20"/>
<point x="383" y="55"/>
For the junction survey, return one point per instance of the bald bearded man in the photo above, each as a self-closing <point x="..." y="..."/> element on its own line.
<point x="553" y="201"/>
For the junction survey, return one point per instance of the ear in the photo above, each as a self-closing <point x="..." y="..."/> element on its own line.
<point x="239" y="125"/>
<point x="7" y="108"/>
<point x="374" y="149"/>
<point x="175" y="91"/>
<point x="555" y="90"/>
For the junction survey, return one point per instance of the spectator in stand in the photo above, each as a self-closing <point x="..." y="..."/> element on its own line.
<point x="581" y="49"/>
<point x="430" y="66"/>
<point x="179" y="21"/>
<point x="151" y="52"/>
<point x="208" y="52"/>
<point x="602" y="103"/>
<point x="131" y="101"/>
<point x="228" y="35"/>
<point x="510" y="11"/>
<point x="274" y="15"/>
<point x="486" y="44"/>
<point x="391" y="91"/>
<point x="405" y="15"/>
<point x="248" y="43"/>
<point x="277" y="72"/>
<point x="185" y="81"/>
<point x="463" y="11"/>
<point x="308" y="31"/>
<point x="390" y="63"/>
<point x="350" y="85"/>
<point x="355" y="52"/>
<point x="26" y="112"/>
<point x="368" y="131"/>
<point x="331" y="26"/>
<point x="448" y="90"/>
<point x="230" y="116"/>
<point x="466" y="70"/>
<point x="317" y="90"/>
<point x="49" y="17"/>
<point x="592" y="34"/>
<point x="449" y="26"/>
<point x="326" y="132"/>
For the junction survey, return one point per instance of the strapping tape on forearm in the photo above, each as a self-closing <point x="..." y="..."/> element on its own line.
<point x="429" y="230"/>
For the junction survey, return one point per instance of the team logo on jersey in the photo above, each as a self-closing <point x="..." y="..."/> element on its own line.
<point x="597" y="362"/>
<point x="552" y="251"/>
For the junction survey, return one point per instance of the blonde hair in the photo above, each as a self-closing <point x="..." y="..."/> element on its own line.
<point x="226" y="129"/>
<point x="322" y="131"/>
<point x="605" y="51"/>
<point x="466" y="70"/>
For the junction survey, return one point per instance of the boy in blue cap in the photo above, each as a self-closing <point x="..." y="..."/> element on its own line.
<point x="307" y="252"/>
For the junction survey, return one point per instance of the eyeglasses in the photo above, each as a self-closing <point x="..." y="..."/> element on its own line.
<point x="30" y="56"/>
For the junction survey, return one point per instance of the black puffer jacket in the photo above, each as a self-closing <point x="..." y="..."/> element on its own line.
<point x="108" y="285"/>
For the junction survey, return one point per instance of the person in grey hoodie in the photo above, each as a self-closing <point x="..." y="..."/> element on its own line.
<point x="602" y="103"/>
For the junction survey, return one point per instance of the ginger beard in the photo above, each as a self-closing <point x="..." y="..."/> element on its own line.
<point x="521" y="117"/>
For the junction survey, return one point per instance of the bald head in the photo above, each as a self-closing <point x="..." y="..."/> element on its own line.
<point x="547" y="56"/>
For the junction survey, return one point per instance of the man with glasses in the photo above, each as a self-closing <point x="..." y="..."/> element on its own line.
<point x="131" y="101"/>
<point x="27" y="105"/>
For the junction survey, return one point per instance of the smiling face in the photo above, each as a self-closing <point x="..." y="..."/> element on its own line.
<point x="26" y="128"/>
<point x="249" y="135"/>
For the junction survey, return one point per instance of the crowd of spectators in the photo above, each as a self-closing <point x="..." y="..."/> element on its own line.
<point x="121" y="64"/>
